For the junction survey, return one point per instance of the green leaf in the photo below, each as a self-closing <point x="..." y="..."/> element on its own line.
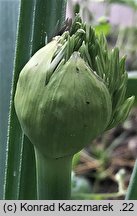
<point x="36" y="18"/>
<point x="15" y="135"/>
<point x="8" y="23"/>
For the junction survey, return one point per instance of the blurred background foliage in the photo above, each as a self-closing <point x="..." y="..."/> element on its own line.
<point x="102" y="170"/>
<point x="109" y="17"/>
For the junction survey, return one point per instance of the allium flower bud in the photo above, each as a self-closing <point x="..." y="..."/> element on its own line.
<point x="70" y="91"/>
<point x="64" y="115"/>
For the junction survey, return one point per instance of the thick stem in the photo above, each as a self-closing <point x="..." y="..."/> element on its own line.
<point x="132" y="188"/>
<point x="53" y="177"/>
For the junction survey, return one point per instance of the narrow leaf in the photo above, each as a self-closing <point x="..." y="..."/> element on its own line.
<point x="36" y="18"/>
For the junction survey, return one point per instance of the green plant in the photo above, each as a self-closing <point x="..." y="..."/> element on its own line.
<point x="69" y="92"/>
<point x="20" y="153"/>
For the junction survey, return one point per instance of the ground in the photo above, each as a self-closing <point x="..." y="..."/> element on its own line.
<point x="108" y="162"/>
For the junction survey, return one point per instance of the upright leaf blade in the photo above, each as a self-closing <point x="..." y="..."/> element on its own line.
<point x="15" y="135"/>
<point x="8" y="24"/>
<point x="33" y="23"/>
<point x="49" y="16"/>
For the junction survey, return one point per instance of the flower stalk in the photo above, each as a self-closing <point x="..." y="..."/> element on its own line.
<point x="53" y="177"/>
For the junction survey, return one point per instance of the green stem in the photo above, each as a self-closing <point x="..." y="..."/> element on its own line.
<point x="53" y="177"/>
<point x="132" y="188"/>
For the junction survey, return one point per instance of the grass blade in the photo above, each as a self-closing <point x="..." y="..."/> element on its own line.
<point x="15" y="135"/>
<point x="8" y="24"/>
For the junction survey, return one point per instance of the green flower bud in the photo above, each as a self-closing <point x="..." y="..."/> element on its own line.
<point x="64" y="115"/>
<point x="70" y="91"/>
